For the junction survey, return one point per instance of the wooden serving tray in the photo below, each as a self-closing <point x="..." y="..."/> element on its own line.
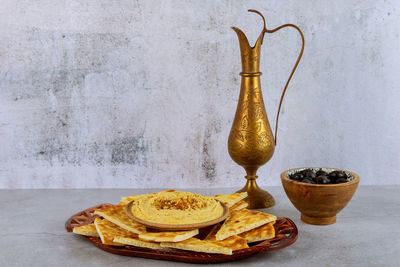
<point x="285" y="234"/>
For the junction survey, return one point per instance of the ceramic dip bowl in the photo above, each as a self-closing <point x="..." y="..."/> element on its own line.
<point x="319" y="203"/>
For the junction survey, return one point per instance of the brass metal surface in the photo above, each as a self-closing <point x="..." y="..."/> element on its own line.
<point x="251" y="142"/>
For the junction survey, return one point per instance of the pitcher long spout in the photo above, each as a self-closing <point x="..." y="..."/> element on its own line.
<point x="250" y="55"/>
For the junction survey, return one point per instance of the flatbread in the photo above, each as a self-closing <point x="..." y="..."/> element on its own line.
<point x="169" y="236"/>
<point x="194" y="244"/>
<point x="136" y="242"/>
<point x="107" y="231"/>
<point x="231" y="199"/>
<point x="117" y="215"/>
<point x="87" y="230"/>
<point x="244" y="220"/>
<point x="234" y="242"/>
<point x="126" y="200"/>
<point x="238" y="206"/>
<point x="264" y="232"/>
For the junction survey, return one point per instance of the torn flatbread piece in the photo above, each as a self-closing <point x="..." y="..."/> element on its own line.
<point x="108" y="231"/>
<point x="126" y="200"/>
<point x="242" y="221"/>
<point x="264" y="232"/>
<point x="87" y="230"/>
<point x="239" y="206"/>
<point x="231" y="199"/>
<point x="136" y="242"/>
<point x="169" y="236"/>
<point x="234" y="242"/>
<point x="117" y="215"/>
<point x="194" y="244"/>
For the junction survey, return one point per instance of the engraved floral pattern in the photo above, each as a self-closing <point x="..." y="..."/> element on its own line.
<point x="239" y="136"/>
<point x="245" y="123"/>
<point x="257" y="111"/>
<point x="251" y="141"/>
<point x="263" y="139"/>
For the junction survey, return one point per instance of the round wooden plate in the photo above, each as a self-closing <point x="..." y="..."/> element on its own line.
<point x="177" y="227"/>
<point x="285" y="234"/>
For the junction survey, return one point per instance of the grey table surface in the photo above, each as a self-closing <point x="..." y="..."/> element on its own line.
<point x="32" y="233"/>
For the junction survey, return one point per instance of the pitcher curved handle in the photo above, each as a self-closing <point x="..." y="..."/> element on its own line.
<point x="295" y="65"/>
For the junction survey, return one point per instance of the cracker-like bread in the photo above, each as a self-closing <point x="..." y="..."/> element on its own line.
<point x="244" y="220"/>
<point x="238" y="206"/>
<point x="234" y="242"/>
<point x="88" y="230"/>
<point x="231" y="199"/>
<point x="126" y="200"/>
<point x="136" y="242"/>
<point x="194" y="244"/>
<point x="117" y="215"/>
<point x="169" y="236"/>
<point x="264" y="232"/>
<point x="107" y="231"/>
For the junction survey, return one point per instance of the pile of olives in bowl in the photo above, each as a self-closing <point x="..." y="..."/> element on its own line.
<point x="311" y="176"/>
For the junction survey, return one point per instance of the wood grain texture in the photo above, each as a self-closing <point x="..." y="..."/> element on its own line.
<point x="319" y="203"/>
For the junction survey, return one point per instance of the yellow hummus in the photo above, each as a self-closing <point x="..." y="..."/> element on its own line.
<point x="175" y="207"/>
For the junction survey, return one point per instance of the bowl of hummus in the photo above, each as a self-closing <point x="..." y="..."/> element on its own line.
<point x="176" y="210"/>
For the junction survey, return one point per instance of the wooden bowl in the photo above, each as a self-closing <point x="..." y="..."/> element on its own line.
<point x="319" y="203"/>
<point x="177" y="227"/>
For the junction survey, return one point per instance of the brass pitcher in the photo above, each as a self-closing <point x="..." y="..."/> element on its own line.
<point x="251" y="143"/>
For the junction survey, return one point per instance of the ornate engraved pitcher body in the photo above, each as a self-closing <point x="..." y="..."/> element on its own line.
<point x="251" y="142"/>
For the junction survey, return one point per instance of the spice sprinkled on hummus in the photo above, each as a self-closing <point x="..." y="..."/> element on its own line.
<point x="175" y="207"/>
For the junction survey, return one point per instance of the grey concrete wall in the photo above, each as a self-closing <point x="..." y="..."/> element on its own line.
<point x="143" y="93"/>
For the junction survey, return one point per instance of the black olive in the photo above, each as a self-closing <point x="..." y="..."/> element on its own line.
<point x="308" y="181"/>
<point x="310" y="176"/>
<point x="322" y="179"/>
<point x="310" y="173"/>
<point x="298" y="176"/>
<point x="332" y="174"/>
<point x="304" y="172"/>
<point x="321" y="172"/>
<point x="341" y="180"/>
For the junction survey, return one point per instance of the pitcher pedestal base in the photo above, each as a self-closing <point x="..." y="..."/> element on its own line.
<point x="257" y="198"/>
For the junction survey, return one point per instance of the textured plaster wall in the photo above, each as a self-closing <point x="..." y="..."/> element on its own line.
<point x="143" y="93"/>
